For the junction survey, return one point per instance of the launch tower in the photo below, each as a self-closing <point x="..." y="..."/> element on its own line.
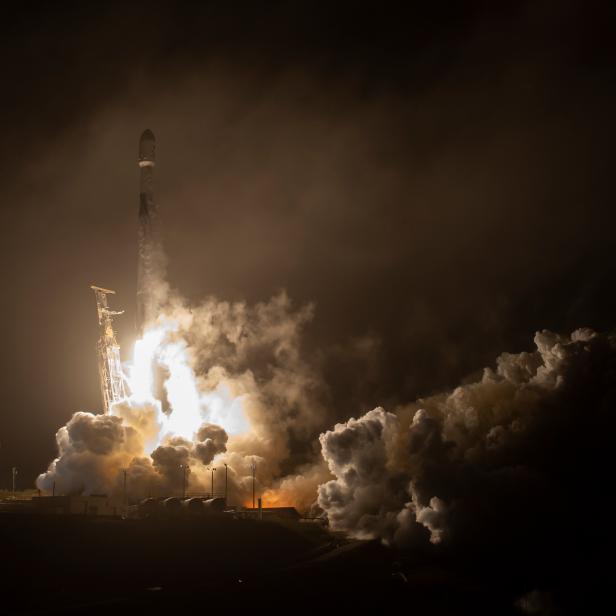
<point x="109" y="364"/>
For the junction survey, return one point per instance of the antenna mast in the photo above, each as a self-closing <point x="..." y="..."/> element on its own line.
<point x="108" y="350"/>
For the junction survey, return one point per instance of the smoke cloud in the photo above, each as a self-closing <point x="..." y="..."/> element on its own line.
<point x="239" y="393"/>
<point x="491" y="460"/>
<point x="488" y="460"/>
<point x="92" y="450"/>
<point x="212" y="440"/>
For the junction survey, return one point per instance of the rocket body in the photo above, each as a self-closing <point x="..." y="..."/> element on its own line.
<point x="151" y="260"/>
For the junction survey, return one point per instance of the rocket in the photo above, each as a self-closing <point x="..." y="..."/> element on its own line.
<point x="151" y="280"/>
<point x="151" y="261"/>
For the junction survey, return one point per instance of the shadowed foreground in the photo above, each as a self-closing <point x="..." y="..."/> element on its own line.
<point x="77" y="565"/>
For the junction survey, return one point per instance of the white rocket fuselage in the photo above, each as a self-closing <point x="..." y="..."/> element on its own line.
<point x="151" y="259"/>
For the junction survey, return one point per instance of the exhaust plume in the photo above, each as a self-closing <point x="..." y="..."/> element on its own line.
<point x="238" y="392"/>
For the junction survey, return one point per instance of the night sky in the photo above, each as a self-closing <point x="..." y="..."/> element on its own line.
<point x="438" y="181"/>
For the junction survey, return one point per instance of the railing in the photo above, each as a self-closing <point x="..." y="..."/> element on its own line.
<point x="206" y="495"/>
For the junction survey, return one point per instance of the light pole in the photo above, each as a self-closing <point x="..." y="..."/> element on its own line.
<point x="184" y="470"/>
<point x="14" y="472"/>
<point x="253" y="466"/>
<point x="226" y="481"/>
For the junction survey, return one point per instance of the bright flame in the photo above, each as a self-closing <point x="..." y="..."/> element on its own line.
<point x="163" y="348"/>
<point x="182" y="392"/>
<point x="226" y="410"/>
<point x="141" y="373"/>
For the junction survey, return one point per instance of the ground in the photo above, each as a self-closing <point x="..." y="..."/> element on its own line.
<point x="79" y="565"/>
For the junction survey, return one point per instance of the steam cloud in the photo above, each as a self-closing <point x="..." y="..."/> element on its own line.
<point x="441" y="469"/>
<point x="490" y="459"/>
<point x="516" y="451"/>
<point x="239" y="392"/>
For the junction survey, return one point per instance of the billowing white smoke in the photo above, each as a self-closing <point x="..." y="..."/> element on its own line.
<point x="239" y="393"/>
<point x="490" y="459"/>
<point x="92" y="451"/>
<point x="95" y="450"/>
<point x="443" y="469"/>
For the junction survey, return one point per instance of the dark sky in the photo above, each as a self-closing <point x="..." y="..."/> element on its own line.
<point x="438" y="180"/>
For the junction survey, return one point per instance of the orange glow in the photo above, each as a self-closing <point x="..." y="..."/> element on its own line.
<point x="274" y="498"/>
<point x="270" y="499"/>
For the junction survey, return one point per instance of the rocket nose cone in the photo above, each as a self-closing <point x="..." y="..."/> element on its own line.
<point x="147" y="135"/>
<point x="147" y="146"/>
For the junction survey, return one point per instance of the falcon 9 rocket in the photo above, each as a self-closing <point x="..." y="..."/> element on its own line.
<point x="151" y="263"/>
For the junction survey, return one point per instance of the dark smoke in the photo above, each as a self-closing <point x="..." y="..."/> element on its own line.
<point x="212" y="440"/>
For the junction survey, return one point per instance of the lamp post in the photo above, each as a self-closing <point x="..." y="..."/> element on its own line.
<point x="226" y="481"/>
<point x="253" y="466"/>
<point x="184" y="468"/>
<point x="14" y="473"/>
